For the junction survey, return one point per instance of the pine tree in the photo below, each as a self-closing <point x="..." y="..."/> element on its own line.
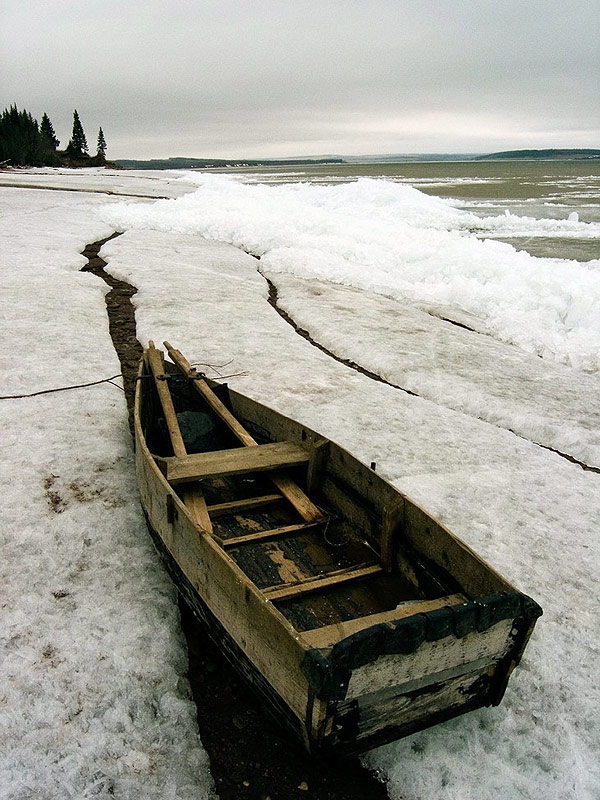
<point x="78" y="145"/>
<point x="48" y="134"/>
<point x="101" y="147"/>
<point x="20" y="139"/>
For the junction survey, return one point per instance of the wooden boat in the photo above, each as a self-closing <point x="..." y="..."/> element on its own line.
<point x="356" y="615"/>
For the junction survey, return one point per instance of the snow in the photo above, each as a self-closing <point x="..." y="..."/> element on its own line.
<point x="82" y="712"/>
<point x="392" y="239"/>
<point x="132" y="183"/>
<point x="449" y="365"/>
<point x="83" y="593"/>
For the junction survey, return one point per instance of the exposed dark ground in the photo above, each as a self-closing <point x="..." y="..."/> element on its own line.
<point x="250" y="757"/>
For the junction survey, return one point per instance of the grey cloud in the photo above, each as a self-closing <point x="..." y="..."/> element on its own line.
<point x="256" y="78"/>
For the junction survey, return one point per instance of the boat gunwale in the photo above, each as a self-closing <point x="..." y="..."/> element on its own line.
<point x="207" y="537"/>
<point x="327" y="668"/>
<point x="346" y="455"/>
<point x="306" y="642"/>
<point x="371" y="508"/>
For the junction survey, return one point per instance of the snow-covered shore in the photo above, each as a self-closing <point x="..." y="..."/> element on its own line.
<point x="92" y="660"/>
<point x="93" y="702"/>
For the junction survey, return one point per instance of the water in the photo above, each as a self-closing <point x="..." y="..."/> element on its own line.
<point x="508" y="249"/>
<point x="538" y="189"/>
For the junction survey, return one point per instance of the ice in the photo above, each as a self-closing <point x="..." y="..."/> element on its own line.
<point x="83" y="594"/>
<point x="392" y="239"/>
<point x="528" y="511"/>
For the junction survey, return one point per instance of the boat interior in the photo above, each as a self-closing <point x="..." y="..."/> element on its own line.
<point x="261" y="501"/>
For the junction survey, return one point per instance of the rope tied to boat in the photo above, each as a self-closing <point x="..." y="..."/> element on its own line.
<point x="192" y="375"/>
<point x="65" y="388"/>
<point x="164" y="377"/>
<point x="197" y="375"/>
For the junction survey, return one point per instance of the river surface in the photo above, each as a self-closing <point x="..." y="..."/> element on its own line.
<point x="539" y="189"/>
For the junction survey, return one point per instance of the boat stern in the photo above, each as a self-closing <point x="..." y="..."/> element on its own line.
<point x="394" y="678"/>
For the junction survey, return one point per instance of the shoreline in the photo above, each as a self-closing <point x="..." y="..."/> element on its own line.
<point x="250" y="757"/>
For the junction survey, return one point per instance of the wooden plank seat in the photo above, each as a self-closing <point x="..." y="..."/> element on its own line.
<point x="244" y="505"/>
<point x="288" y="488"/>
<point x="237" y="461"/>
<point x="271" y="533"/>
<point x="320" y="582"/>
<point x="193" y="496"/>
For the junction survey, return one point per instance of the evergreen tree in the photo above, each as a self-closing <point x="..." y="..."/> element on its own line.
<point x="78" y="145"/>
<point x="20" y="138"/>
<point x="101" y="148"/>
<point x="48" y="134"/>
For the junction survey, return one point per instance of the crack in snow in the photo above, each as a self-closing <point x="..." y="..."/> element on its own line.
<point x="121" y="319"/>
<point x="273" y="301"/>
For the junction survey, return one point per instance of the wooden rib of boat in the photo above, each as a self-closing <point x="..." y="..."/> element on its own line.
<point x="356" y="615"/>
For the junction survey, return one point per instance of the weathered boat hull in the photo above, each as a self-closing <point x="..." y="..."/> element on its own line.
<point x="363" y="679"/>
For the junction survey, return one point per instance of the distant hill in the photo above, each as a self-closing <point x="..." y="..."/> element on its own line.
<point x="408" y="158"/>
<point x="220" y="163"/>
<point x="216" y="163"/>
<point x="558" y="155"/>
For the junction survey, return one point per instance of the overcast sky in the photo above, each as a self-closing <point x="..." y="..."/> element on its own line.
<point x="259" y="78"/>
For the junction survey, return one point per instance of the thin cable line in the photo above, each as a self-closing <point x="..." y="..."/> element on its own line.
<point x="64" y="388"/>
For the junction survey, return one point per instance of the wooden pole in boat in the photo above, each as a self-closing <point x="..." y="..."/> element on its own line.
<point x="288" y="488"/>
<point x="192" y="494"/>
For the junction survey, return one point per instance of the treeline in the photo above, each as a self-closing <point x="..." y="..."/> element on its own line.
<point x="26" y="143"/>
<point x="556" y="155"/>
<point x="217" y="163"/>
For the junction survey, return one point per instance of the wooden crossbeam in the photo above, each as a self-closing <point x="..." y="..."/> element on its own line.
<point x="237" y="461"/>
<point x="330" y="634"/>
<point x="299" y="499"/>
<point x="155" y="362"/>
<point x="243" y="505"/>
<point x="204" y="390"/>
<point x="195" y="502"/>
<point x="192" y="496"/>
<point x="318" y="583"/>
<point x="288" y="488"/>
<point x="272" y="533"/>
